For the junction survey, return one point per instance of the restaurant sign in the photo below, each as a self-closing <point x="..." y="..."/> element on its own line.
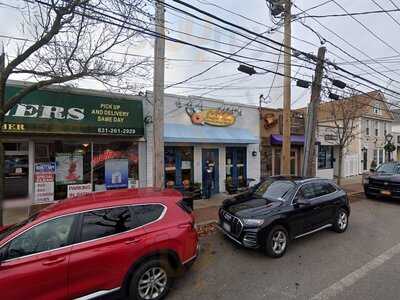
<point x="214" y="117"/>
<point x="68" y="113"/>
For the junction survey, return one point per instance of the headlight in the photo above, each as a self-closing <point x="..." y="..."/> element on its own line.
<point x="253" y="222"/>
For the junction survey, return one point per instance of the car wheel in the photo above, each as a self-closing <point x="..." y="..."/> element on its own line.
<point x="277" y="241"/>
<point x="368" y="195"/>
<point x="341" y="221"/>
<point x="151" y="281"/>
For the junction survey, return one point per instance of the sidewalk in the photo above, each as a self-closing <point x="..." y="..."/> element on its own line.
<point x="206" y="211"/>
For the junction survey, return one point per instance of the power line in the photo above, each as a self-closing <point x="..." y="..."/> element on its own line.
<point x="383" y="11"/>
<point x="366" y="28"/>
<point x="353" y="47"/>
<point x="152" y="33"/>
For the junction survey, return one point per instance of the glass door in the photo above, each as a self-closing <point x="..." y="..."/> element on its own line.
<point x="16" y="170"/>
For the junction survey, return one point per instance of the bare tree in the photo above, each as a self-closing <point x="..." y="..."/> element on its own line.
<point x="342" y="118"/>
<point x="71" y="40"/>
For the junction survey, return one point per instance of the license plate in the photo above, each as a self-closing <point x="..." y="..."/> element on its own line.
<point x="226" y="226"/>
<point x="386" y="193"/>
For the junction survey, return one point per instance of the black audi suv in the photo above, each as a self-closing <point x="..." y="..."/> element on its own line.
<point x="282" y="209"/>
<point x="384" y="181"/>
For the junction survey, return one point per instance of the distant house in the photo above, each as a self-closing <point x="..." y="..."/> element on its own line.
<point x="396" y="132"/>
<point x="372" y="122"/>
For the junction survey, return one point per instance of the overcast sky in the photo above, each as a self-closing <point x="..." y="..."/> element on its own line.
<point x="226" y="83"/>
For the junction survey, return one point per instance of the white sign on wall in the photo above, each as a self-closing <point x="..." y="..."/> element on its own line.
<point x="76" y="190"/>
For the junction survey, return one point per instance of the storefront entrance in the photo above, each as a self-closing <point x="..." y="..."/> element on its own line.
<point x="210" y="172"/>
<point x="236" y="176"/>
<point x="16" y="170"/>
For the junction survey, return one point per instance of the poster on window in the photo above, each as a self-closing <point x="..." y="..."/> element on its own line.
<point x="116" y="173"/>
<point x="77" y="190"/>
<point x="69" y="168"/>
<point x="44" y="182"/>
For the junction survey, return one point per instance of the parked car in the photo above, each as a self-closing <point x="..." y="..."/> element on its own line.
<point x="282" y="209"/>
<point x="383" y="181"/>
<point x="133" y="241"/>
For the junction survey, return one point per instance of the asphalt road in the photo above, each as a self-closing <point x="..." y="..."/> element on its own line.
<point x="362" y="263"/>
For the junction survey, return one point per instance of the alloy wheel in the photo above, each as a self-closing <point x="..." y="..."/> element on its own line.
<point x="152" y="283"/>
<point x="342" y="220"/>
<point x="279" y="242"/>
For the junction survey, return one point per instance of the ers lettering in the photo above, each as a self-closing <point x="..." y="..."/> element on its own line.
<point x="48" y="112"/>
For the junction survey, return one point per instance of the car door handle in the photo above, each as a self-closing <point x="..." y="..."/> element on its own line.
<point x="133" y="241"/>
<point x="53" y="261"/>
<point x="317" y="208"/>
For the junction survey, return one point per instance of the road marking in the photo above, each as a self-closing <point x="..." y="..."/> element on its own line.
<point x="356" y="275"/>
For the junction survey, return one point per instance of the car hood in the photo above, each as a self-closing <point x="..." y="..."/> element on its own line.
<point x="253" y="207"/>
<point x="385" y="177"/>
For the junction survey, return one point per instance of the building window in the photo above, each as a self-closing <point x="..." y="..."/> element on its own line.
<point x="367" y="127"/>
<point x="385" y="128"/>
<point x="115" y="165"/>
<point x="376" y="156"/>
<point x="103" y="166"/>
<point x="377" y="109"/>
<point x="380" y="156"/>
<point x="325" y="157"/>
<point x="376" y="128"/>
<point x="178" y="166"/>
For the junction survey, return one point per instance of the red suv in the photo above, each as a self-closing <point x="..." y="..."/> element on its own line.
<point x="131" y="241"/>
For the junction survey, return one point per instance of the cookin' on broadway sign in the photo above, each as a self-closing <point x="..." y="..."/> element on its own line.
<point x="69" y="113"/>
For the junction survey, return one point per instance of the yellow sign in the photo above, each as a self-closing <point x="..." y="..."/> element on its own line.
<point x="214" y="117"/>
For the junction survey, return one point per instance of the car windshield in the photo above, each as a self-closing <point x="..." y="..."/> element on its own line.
<point x="9" y="230"/>
<point x="275" y="190"/>
<point x="389" y="168"/>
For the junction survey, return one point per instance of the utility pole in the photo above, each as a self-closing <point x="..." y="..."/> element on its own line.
<point x="312" y="117"/>
<point x="285" y="158"/>
<point x="158" y="97"/>
<point x="2" y="158"/>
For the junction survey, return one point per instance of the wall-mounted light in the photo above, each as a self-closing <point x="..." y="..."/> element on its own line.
<point x="148" y="119"/>
<point x="254" y="153"/>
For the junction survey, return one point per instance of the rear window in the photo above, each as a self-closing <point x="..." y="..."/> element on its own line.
<point x="101" y="223"/>
<point x="148" y="213"/>
<point x="6" y="232"/>
<point x="271" y="189"/>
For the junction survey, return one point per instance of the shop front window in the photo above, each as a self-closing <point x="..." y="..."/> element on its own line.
<point x="71" y="161"/>
<point x="178" y="166"/>
<point x="67" y="168"/>
<point x="325" y="157"/>
<point x="115" y="165"/>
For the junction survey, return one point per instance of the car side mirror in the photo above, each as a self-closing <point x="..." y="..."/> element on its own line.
<point x="372" y="170"/>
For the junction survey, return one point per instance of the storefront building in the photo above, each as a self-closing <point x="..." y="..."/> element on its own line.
<point x="208" y="143"/>
<point x="65" y="142"/>
<point x="271" y="142"/>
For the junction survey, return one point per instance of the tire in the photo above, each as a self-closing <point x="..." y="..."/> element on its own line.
<point x="143" y="273"/>
<point x="341" y="221"/>
<point x="277" y="241"/>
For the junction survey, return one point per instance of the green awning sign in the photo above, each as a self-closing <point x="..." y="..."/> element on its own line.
<point x="69" y="113"/>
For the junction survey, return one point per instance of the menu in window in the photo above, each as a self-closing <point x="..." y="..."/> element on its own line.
<point x="44" y="182"/>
